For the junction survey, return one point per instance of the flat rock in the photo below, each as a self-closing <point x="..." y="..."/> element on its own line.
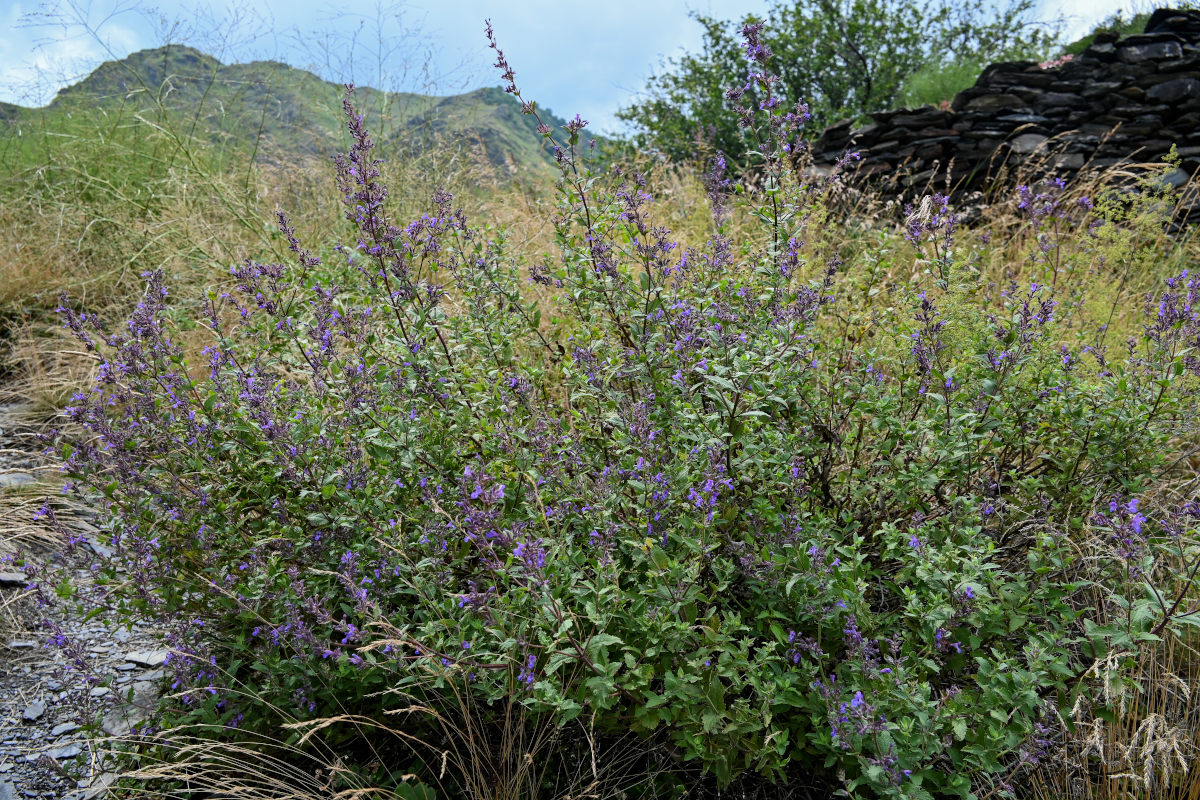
<point x="13" y="580"/>
<point x="58" y="753"/>
<point x="63" y="727"/>
<point x="7" y="792"/>
<point x="1156" y="51"/>
<point x="998" y="102"/>
<point x="154" y="658"/>
<point x="120" y="721"/>
<point x="1102" y="52"/>
<point x="97" y="547"/>
<point x="1027" y="143"/>
<point x="1174" y="91"/>
<point x="34" y="711"/>
<point x="11" y="480"/>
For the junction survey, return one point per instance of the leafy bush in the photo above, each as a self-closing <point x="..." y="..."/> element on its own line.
<point x="766" y="513"/>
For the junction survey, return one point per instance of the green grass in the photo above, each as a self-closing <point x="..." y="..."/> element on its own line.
<point x="935" y="83"/>
<point x="264" y="110"/>
<point x="169" y="158"/>
<point x="1118" y="23"/>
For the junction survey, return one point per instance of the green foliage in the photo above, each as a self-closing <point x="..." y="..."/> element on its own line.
<point x="933" y="84"/>
<point x="843" y="58"/>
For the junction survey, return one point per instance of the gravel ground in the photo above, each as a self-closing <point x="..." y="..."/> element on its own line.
<point x="44" y="707"/>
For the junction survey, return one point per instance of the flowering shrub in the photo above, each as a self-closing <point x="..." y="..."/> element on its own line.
<point x="1055" y="63"/>
<point x="712" y="493"/>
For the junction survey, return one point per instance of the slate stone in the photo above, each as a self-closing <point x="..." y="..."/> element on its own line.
<point x="927" y="149"/>
<point x="999" y="102"/>
<point x="152" y="659"/>
<point x="100" y="549"/>
<point x="63" y="727"/>
<point x="885" y="117"/>
<point x="1024" y="119"/>
<point x="1174" y="91"/>
<point x="1124" y="99"/>
<point x="1027" y="143"/>
<point x="1001" y="67"/>
<point x="60" y="753"/>
<point x="34" y="711"/>
<point x="1033" y="80"/>
<point x="13" y="480"/>
<point x="1137" y="53"/>
<point x="13" y="580"/>
<point x="1055" y="100"/>
<point x="986" y="133"/>
<point x="1169" y="19"/>
<point x="120" y="721"/>
<point x="1105" y="51"/>
<point x="97" y="789"/>
<point x="921" y="118"/>
<point x="1100" y="89"/>
<point x="1175" y="178"/>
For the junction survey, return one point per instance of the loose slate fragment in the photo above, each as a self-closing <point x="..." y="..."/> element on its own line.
<point x="34" y="711"/>
<point x="13" y="580"/>
<point x="147" y="659"/>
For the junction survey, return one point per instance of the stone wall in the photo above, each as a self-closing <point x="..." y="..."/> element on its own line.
<point x="1121" y="100"/>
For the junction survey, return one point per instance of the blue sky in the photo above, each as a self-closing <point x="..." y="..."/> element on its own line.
<point x="572" y="56"/>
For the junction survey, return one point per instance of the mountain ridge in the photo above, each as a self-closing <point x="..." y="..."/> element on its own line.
<point x="278" y="111"/>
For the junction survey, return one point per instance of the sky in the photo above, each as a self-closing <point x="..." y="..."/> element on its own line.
<point x="589" y="57"/>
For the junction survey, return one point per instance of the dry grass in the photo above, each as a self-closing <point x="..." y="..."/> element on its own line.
<point x="1141" y="744"/>
<point x="494" y="753"/>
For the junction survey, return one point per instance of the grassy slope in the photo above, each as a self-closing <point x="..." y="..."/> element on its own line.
<point x="171" y="159"/>
<point x="265" y="109"/>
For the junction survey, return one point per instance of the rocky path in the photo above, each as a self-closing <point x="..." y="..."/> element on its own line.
<point x="46" y="709"/>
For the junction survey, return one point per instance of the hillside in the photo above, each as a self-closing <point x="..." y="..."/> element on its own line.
<point x="270" y="110"/>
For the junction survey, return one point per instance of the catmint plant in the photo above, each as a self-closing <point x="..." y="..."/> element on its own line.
<point x="696" y="506"/>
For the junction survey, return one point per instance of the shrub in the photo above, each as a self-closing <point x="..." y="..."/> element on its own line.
<point x="766" y="513"/>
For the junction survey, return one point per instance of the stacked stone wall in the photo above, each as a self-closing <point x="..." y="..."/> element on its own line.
<point x="1122" y="100"/>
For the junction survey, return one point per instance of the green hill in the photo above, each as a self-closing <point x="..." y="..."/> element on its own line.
<point x="268" y="110"/>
